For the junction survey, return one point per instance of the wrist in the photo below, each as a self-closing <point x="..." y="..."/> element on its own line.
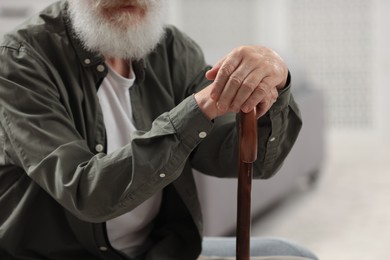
<point x="206" y="104"/>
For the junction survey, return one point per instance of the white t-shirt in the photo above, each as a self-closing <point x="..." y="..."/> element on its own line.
<point x="129" y="232"/>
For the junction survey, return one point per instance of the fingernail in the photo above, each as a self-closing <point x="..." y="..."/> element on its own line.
<point x="246" y="109"/>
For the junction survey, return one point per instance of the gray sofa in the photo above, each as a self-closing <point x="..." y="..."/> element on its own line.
<point x="218" y="196"/>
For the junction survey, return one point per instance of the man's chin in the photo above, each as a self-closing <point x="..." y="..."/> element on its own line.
<point x="125" y="22"/>
<point x="127" y="44"/>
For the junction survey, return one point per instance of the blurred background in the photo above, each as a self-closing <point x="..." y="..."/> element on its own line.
<point x="339" y="58"/>
<point x="331" y="193"/>
<point x="339" y="51"/>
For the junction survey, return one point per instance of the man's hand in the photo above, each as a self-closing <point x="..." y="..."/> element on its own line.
<point x="247" y="77"/>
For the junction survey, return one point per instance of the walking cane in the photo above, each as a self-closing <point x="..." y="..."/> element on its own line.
<point x="247" y="155"/>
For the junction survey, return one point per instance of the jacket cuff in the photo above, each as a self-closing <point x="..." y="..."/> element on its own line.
<point x="191" y="125"/>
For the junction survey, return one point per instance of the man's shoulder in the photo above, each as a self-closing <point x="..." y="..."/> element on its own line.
<point x="48" y="22"/>
<point x="174" y="33"/>
<point x="177" y="40"/>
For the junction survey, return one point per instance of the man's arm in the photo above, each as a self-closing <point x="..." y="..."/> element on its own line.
<point x="250" y="76"/>
<point x="42" y="140"/>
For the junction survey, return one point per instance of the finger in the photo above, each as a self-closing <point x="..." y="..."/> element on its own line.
<point x="247" y="87"/>
<point x="258" y="96"/>
<point x="265" y="94"/>
<point x="260" y="111"/>
<point x="266" y="102"/>
<point x="227" y="68"/>
<point x="212" y="73"/>
<point x="262" y="108"/>
<point x="239" y="87"/>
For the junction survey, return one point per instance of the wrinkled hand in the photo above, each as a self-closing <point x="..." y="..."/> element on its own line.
<point x="247" y="77"/>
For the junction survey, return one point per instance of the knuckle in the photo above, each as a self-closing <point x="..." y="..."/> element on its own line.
<point x="226" y="70"/>
<point x="235" y="80"/>
<point x="279" y="70"/>
<point x="218" y="83"/>
<point x="258" y="94"/>
<point x="262" y="88"/>
<point x="274" y="70"/>
<point x="275" y="94"/>
<point x="241" y="50"/>
<point x="245" y="51"/>
<point x="248" y="86"/>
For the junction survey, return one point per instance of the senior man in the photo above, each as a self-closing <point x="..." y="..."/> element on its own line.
<point x="104" y="111"/>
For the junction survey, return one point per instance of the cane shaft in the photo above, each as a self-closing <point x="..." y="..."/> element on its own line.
<point x="244" y="211"/>
<point x="247" y="155"/>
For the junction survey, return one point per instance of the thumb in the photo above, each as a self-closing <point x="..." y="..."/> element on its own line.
<point x="213" y="72"/>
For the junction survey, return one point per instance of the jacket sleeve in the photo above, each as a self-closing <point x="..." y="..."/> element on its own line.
<point x="39" y="136"/>
<point x="217" y="155"/>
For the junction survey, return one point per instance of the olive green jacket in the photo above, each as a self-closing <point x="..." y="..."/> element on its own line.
<point x="57" y="185"/>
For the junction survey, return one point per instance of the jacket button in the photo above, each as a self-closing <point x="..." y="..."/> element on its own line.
<point x="99" y="148"/>
<point x="100" y="68"/>
<point x="87" y="61"/>
<point x="202" y="134"/>
<point x="103" y="248"/>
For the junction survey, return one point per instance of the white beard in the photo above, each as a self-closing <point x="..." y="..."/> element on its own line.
<point x="125" y="36"/>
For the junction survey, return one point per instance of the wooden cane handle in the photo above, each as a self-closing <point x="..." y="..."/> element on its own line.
<point x="248" y="136"/>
